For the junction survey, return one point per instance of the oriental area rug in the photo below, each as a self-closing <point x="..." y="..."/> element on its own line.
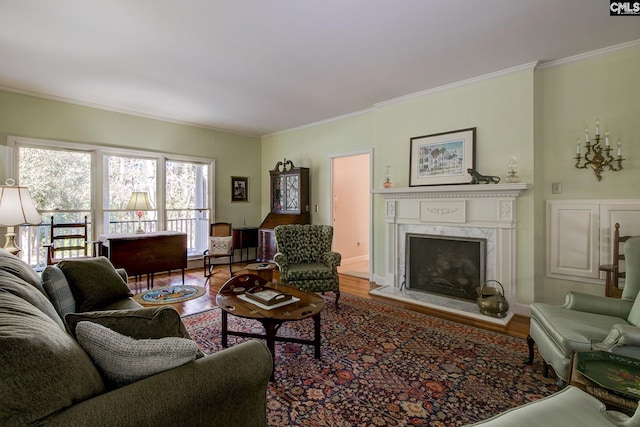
<point x="169" y="295"/>
<point x="387" y="366"/>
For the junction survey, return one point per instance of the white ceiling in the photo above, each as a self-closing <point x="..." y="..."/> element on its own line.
<point x="256" y="67"/>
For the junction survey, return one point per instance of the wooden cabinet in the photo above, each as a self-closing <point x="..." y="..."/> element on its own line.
<point x="146" y="253"/>
<point x="289" y="205"/>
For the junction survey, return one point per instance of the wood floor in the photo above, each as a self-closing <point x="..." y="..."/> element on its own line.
<point x="518" y="327"/>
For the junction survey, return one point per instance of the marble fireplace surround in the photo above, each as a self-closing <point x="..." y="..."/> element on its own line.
<point x="485" y="211"/>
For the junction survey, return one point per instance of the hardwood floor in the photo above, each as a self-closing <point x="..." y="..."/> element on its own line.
<point x="518" y="327"/>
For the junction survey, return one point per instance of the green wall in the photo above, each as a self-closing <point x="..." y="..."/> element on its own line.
<point x="535" y="112"/>
<point x="569" y="97"/>
<point x="33" y="117"/>
<point x="501" y="108"/>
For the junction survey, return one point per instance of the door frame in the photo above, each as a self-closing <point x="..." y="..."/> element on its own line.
<point x="332" y="157"/>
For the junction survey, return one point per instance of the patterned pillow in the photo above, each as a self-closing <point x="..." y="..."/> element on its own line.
<point x="123" y="360"/>
<point x="220" y="245"/>
<point x="58" y="290"/>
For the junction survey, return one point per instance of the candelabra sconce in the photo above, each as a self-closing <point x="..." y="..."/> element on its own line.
<point x="596" y="156"/>
<point x="512" y="169"/>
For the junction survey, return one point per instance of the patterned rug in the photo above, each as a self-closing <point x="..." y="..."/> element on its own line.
<point x="169" y="295"/>
<point x="386" y="366"/>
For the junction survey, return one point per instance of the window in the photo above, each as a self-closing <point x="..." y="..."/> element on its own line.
<point x="186" y="200"/>
<point x="123" y="176"/>
<point x="70" y="180"/>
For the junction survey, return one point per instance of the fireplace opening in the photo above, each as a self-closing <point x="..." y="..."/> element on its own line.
<point x="445" y="265"/>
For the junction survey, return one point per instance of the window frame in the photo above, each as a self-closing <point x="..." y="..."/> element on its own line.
<point x="98" y="154"/>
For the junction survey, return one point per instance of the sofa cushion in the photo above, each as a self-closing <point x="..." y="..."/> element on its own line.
<point x="14" y="265"/>
<point x="123" y="360"/>
<point x="20" y="288"/>
<point x="57" y="288"/>
<point x="94" y="282"/>
<point x="42" y="368"/>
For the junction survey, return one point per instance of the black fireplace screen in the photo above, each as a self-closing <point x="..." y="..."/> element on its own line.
<point x="445" y="265"/>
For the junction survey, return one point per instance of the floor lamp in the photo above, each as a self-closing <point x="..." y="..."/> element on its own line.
<point x="139" y="202"/>
<point x="16" y="208"/>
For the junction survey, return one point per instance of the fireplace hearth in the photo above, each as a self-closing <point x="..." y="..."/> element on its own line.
<point x="445" y="265"/>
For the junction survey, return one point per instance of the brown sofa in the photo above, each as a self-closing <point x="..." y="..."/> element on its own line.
<point x="49" y="379"/>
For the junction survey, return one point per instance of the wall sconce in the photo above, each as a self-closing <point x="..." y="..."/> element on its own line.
<point x="597" y="157"/>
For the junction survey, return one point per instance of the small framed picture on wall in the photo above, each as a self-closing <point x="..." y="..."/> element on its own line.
<point x="239" y="189"/>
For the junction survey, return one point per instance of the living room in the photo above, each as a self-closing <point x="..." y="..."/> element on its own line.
<point x="536" y="110"/>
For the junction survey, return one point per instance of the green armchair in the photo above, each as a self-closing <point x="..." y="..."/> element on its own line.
<point x="588" y="322"/>
<point x="305" y="258"/>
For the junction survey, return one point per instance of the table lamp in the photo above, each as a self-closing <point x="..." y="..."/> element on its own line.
<point x="139" y="202"/>
<point x="16" y="208"/>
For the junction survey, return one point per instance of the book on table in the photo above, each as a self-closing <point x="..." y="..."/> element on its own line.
<point x="267" y="296"/>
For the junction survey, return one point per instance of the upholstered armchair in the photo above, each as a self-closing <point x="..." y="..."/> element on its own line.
<point x="305" y="258"/>
<point x="588" y="322"/>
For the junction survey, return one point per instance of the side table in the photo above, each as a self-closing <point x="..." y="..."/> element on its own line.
<point x="262" y="269"/>
<point x="613" y="400"/>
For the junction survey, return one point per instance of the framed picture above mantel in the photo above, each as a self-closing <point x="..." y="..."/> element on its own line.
<point x="442" y="158"/>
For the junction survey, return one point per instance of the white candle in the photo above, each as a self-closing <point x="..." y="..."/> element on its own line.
<point x="606" y="138"/>
<point x="619" y="144"/>
<point x="597" y="127"/>
<point x="578" y="146"/>
<point x="586" y="134"/>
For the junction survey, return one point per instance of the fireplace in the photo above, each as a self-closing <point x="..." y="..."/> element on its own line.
<point x="445" y="265"/>
<point x="475" y="224"/>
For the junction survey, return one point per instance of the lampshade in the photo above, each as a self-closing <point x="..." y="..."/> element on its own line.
<point x="17" y="207"/>
<point x="139" y="201"/>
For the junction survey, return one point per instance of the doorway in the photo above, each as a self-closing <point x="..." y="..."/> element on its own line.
<point x="351" y="212"/>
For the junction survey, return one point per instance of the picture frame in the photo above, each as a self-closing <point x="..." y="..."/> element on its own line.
<point x="442" y="158"/>
<point x="239" y="189"/>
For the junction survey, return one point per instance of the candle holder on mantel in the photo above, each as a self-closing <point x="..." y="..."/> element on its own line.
<point x="512" y="169"/>
<point x="387" y="178"/>
<point x="597" y="157"/>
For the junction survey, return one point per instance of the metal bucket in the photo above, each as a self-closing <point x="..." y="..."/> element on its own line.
<point x="491" y="301"/>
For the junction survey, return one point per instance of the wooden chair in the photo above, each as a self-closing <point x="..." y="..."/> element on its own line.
<point x="613" y="273"/>
<point x="68" y="240"/>
<point x="220" y="246"/>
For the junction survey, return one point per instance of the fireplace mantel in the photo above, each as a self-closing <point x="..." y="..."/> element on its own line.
<point x="454" y="191"/>
<point x="485" y="211"/>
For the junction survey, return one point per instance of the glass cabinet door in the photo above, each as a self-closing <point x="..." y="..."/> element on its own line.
<point x="292" y="201"/>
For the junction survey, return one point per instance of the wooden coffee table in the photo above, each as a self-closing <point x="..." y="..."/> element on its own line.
<point x="309" y="305"/>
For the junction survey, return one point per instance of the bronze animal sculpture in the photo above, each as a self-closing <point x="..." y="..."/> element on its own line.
<point x="477" y="178"/>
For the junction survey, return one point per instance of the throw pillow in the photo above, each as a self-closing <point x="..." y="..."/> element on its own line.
<point x="58" y="290"/>
<point x="220" y="245"/>
<point x="143" y="323"/>
<point x="94" y="282"/>
<point x="123" y="360"/>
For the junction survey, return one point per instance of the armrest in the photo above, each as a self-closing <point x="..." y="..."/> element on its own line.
<point x="619" y="336"/>
<point x="227" y="388"/>
<point x="598" y="305"/>
<point x="332" y="259"/>
<point x="282" y="262"/>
